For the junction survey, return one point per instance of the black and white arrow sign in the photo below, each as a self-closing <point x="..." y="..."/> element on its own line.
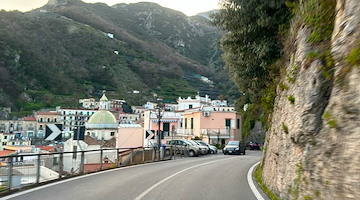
<point x="53" y="132"/>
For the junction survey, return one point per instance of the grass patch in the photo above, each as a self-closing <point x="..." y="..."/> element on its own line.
<point x="332" y="123"/>
<point x="283" y="86"/>
<point x="294" y="191"/>
<point x="291" y="98"/>
<point x="319" y="16"/>
<point x="354" y="57"/>
<point x="258" y="178"/>
<point x="285" y="128"/>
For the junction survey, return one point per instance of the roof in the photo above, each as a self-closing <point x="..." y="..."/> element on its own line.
<point x="46" y="148"/>
<point x="29" y="119"/>
<point x="102" y="119"/>
<point x="47" y="113"/>
<point x="91" y="141"/>
<point x="104" y="98"/>
<point x="138" y="107"/>
<point x="6" y="152"/>
<point x="110" y="143"/>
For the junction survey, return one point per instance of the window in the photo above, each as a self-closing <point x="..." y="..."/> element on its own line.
<point x="227" y="123"/>
<point x="48" y="120"/>
<point x="74" y="152"/>
<point x="192" y="123"/>
<point x="185" y="122"/>
<point x="41" y="119"/>
<point x="112" y="133"/>
<point x="190" y="106"/>
<point x="55" y="119"/>
<point x="238" y="123"/>
<point x="5" y="137"/>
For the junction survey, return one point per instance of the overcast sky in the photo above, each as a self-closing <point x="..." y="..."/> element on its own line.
<point x="189" y="7"/>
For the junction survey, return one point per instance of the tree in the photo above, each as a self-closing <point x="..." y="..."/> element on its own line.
<point x="252" y="45"/>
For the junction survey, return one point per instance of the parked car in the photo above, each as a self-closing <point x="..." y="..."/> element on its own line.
<point x="234" y="147"/>
<point x="184" y="146"/>
<point x="212" y="148"/>
<point x="253" y="146"/>
<point x="204" y="148"/>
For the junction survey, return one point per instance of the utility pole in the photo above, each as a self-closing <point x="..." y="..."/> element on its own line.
<point x="159" y="116"/>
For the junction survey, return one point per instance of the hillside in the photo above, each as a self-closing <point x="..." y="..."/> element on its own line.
<point x="69" y="49"/>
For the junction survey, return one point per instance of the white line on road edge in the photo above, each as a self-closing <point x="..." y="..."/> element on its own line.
<point x="169" y="177"/>
<point x="251" y="182"/>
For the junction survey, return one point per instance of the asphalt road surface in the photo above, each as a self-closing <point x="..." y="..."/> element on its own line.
<point x="217" y="177"/>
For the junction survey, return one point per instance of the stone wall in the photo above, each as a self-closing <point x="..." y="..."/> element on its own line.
<point x="312" y="149"/>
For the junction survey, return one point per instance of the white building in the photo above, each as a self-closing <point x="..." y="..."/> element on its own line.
<point x="197" y="102"/>
<point x="71" y="118"/>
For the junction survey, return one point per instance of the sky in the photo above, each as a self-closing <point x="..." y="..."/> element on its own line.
<point x="188" y="7"/>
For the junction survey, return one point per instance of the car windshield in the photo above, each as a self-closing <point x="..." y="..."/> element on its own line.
<point x="233" y="143"/>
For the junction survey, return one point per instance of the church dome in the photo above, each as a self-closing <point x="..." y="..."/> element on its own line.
<point x="102" y="119"/>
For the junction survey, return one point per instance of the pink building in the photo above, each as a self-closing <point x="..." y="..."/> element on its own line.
<point x="213" y="124"/>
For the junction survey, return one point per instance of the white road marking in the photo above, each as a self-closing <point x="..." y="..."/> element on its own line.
<point x="171" y="176"/>
<point x="68" y="180"/>
<point x="251" y="182"/>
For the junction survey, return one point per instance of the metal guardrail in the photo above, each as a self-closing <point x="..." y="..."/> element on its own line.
<point x="22" y="170"/>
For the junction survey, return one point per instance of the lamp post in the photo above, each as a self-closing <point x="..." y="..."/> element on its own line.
<point x="159" y="116"/>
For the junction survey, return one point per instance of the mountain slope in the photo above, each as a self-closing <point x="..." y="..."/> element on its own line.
<point x="63" y="51"/>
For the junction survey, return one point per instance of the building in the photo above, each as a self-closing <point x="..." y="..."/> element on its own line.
<point x="213" y="124"/>
<point x="169" y="123"/>
<point x="197" y="102"/>
<point x="43" y="118"/>
<point x="91" y="103"/>
<point x="102" y="125"/>
<point x="29" y="127"/>
<point x="72" y="118"/>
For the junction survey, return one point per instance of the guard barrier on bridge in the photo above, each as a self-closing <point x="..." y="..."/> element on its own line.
<point x="23" y="170"/>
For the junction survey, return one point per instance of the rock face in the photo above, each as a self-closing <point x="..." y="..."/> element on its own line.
<point x="312" y="149"/>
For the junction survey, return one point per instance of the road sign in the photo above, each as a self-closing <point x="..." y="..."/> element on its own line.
<point x="150" y="134"/>
<point x="81" y="131"/>
<point x="53" y="132"/>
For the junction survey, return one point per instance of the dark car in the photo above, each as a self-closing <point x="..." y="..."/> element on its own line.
<point x="253" y="146"/>
<point x="234" y="147"/>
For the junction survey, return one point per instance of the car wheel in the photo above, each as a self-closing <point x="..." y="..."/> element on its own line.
<point x="212" y="152"/>
<point x="191" y="153"/>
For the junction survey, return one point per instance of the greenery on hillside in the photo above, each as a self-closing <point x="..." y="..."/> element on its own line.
<point x="61" y="52"/>
<point x="252" y="46"/>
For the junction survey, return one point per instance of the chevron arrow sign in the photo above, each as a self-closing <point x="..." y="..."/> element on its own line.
<point x="53" y="132"/>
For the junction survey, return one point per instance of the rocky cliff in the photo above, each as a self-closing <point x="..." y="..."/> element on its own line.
<point x="312" y="148"/>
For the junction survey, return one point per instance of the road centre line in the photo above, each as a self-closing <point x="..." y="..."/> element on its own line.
<point x="251" y="182"/>
<point x="175" y="174"/>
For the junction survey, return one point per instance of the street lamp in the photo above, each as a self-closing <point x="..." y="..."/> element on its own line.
<point x="159" y="116"/>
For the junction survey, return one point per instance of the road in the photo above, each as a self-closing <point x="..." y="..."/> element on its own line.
<point x="205" y="177"/>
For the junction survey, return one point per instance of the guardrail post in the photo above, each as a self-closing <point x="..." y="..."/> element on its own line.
<point x="82" y="162"/>
<point x="119" y="158"/>
<point x="38" y="169"/>
<point x="171" y="154"/>
<point x="153" y="155"/>
<point x="10" y="172"/>
<point x="101" y="156"/>
<point x="131" y="156"/>
<point x="61" y="164"/>
<point x="143" y="155"/>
